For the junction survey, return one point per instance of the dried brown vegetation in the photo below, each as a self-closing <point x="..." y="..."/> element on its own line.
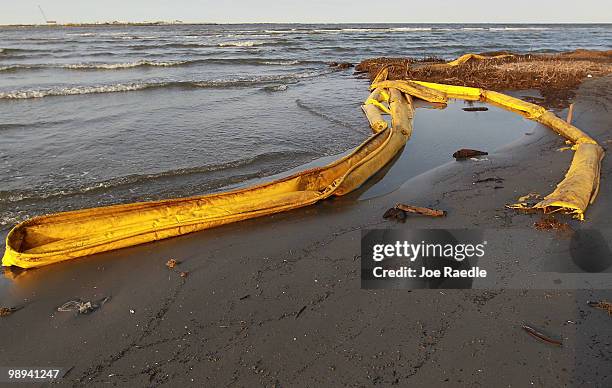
<point x="555" y="76"/>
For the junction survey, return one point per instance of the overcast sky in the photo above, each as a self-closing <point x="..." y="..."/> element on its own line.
<point x="311" y="11"/>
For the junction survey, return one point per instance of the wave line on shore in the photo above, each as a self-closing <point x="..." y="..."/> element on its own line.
<point x="128" y="87"/>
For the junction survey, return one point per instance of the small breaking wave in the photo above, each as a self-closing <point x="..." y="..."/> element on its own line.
<point x="280" y="62"/>
<point x="128" y="65"/>
<point x="244" y="43"/>
<point x="81" y="34"/>
<point x="21" y="67"/>
<point x="68" y="91"/>
<point x="348" y="30"/>
<point x="147" y="63"/>
<point x="275" y="88"/>
<point x="518" y="28"/>
<point x="95" y="66"/>
<point x="408" y="29"/>
<point x="128" y="87"/>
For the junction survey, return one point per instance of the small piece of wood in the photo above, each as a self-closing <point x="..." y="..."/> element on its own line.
<point x="541" y="336"/>
<point x="421" y="210"/>
<point x="465" y="153"/>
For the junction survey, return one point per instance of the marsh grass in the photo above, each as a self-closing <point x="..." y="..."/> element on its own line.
<point x="555" y="76"/>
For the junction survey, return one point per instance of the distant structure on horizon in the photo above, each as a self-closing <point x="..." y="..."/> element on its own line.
<point x="47" y="21"/>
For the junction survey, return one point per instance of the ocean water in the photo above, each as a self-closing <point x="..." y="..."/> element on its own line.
<point x="93" y="116"/>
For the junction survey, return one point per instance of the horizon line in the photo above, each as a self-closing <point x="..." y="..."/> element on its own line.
<point x="179" y="22"/>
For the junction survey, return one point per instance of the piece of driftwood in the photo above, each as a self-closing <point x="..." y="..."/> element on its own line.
<point x="476" y="109"/>
<point x="492" y="179"/>
<point x="421" y="210"/>
<point x="541" y="336"/>
<point x="601" y="305"/>
<point x="466" y="153"/>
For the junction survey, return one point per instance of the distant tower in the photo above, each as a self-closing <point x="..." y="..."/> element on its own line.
<point x="45" y="16"/>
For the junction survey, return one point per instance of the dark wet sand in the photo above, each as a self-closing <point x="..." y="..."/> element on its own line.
<point x="277" y="301"/>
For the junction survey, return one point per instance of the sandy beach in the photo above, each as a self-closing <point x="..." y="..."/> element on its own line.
<point x="276" y="301"/>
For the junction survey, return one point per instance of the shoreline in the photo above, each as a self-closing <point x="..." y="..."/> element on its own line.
<point x="260" y="309"/>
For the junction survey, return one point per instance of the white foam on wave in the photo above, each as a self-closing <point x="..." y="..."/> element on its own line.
<point x="348" y="30"/>
<point x="409" y="29"/>
<point x="518" y="28"/>
<point x="69" y="91"/>
<point x="128" y="87"/>
<point x="127" y="65"/>
<point x="280" y="62"/>
<point x="81" y="34"/>
<point x="243" y="35"/>
<point x="17" y="67"/>
<point x="360" y="29"/>
<point x="243" y="43"/>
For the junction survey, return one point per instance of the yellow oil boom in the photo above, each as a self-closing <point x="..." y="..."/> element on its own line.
<point x="57" y="237"/>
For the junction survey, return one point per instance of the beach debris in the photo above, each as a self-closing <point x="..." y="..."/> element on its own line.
<point x="476" y="109"/>
<point x="82" y="307"/>
<point x="526" y="203"/>
<point x="498" y="187"/>
<point x="421" y="210"/>
<point x="551" y="223"/>
<point x="6" y="311"/>
<point x="604" y="305"/>
<point x="399" y="211"/>
<point x="132" y="311"/>
<point x="541" y="336"/>
<point x="245" y="297"/>
<point x="172" y="263"/>
<point x="466" y="153"/>
<point x="300" y="312"/>
<point x="522" y="206"/>
<point x="495" y="179"/>
<point x="397" y="214"/>
<point x="530" y="196"/>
